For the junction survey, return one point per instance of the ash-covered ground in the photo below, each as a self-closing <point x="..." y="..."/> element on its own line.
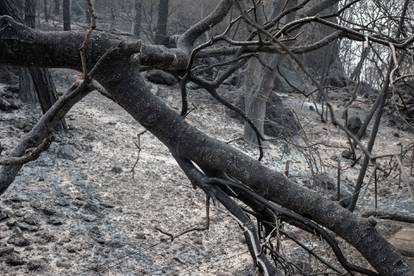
<point x="80" y="209"/>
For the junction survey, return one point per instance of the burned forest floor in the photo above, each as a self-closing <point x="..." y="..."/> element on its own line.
<point x="102" y="198"/>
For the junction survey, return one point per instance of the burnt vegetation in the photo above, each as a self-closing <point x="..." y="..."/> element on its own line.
<point x="332" y="54"/>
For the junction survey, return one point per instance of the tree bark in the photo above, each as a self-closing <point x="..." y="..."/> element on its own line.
<point x="27" y="90"/>
<point x="34" y="81"/>
<point x="56" y="7"/>
<point x="30" y="13"/>
<point x="121" y="77"/>
<point x="161" y="32"/>
<point x="46" y="10"/>
<point x="257" y="95"/>
<point x="66" y="15"/>
<point x="323" y="63"/>
<point x="138" y="18"/>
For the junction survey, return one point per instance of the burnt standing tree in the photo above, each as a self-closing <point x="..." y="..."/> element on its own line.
<point x="136" y="29"/>
<point x="34" y="81"/>
<point x="66" y="15"/>
<point x="56" y="7"/>
<point x="223" y="172"/>
<point x="161" y="31"/>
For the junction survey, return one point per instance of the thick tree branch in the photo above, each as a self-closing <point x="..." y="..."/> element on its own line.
<point x="121" y="78"/>
<point x="187" y="40"/>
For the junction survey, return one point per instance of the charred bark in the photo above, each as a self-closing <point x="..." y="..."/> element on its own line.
<point x="34" y="81"/>
<point x="138" y="18"/>
<point x="66" y="15"/>
<point x="121" y="77"/>
<point x="161" y="32"/>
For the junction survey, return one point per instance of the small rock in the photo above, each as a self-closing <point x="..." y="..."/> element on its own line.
<point x="354" y="124"/>
<point x="347" y="154"/>
<point x="115" y="244"/>
<point x="54" y="221"/>
<point x="63" y="264"/>
<point x="3" y="216"/>
<point x="107" y="205"/>
<point x="140" y="236"/>
<point x="24" y="125"/>
<point x="198" y="240"/>
<point x="31" y="219"/>
<point x="36" y="205"/>
<point x="20" y="213"/>
<point x="11" y="223"/>
<point x="27" y="227"/>
<point x="18" y="240"/>
<point x="16" y="205"/>
<point x="47" y="237"/>
<point x="116" y="170"/>
<point x="96" y="234"/>
<point x="6" y="251"/>
<point x="34" y="265"/>
<point x="72" y="248"/>
<point x="78" y="202"/>
<point x="67" y="152"/>
<point x="15" y="260"/>
<point x="17" y="199"/>
<point x="89" y="218"/>
<point x="48" y="211"/>
<point x="89" y="137"/>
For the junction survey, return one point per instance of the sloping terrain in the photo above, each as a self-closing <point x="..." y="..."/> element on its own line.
<point x="81" y="209"/>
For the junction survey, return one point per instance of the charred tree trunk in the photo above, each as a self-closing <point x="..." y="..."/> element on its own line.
<point x="7" y="7"/>
<point x="66" y="15"/>
<point x="324" y="63"/>
<point x="161" y="32"/>
<point x="56" y="7"/>
<point x="33" y="81"/>
<point x="26" y="87"/>
<point x="46" y="10"/>
<point x="138" y="18"/>
<point x="30" y="13"/>
<point x="121" y="77"/>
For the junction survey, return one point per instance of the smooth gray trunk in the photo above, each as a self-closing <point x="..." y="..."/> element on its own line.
<point x="257" y="95"/>
<point x="256" y="100"/>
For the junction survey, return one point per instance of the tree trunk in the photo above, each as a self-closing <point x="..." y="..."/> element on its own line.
<point x="56" y="9"/>
<point x="46" y="11"/>
<point x="26" y="88"/>
<point x="33" y="81"/>
<point x="161" y="32"/>
<point x="30" y="13"/>
<point x="138" y="18"/>
<point x="257" y="95"/>
<point x="66" y="15"/>
<point x="122" y="79"/>
<point x="324" y="62"/>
